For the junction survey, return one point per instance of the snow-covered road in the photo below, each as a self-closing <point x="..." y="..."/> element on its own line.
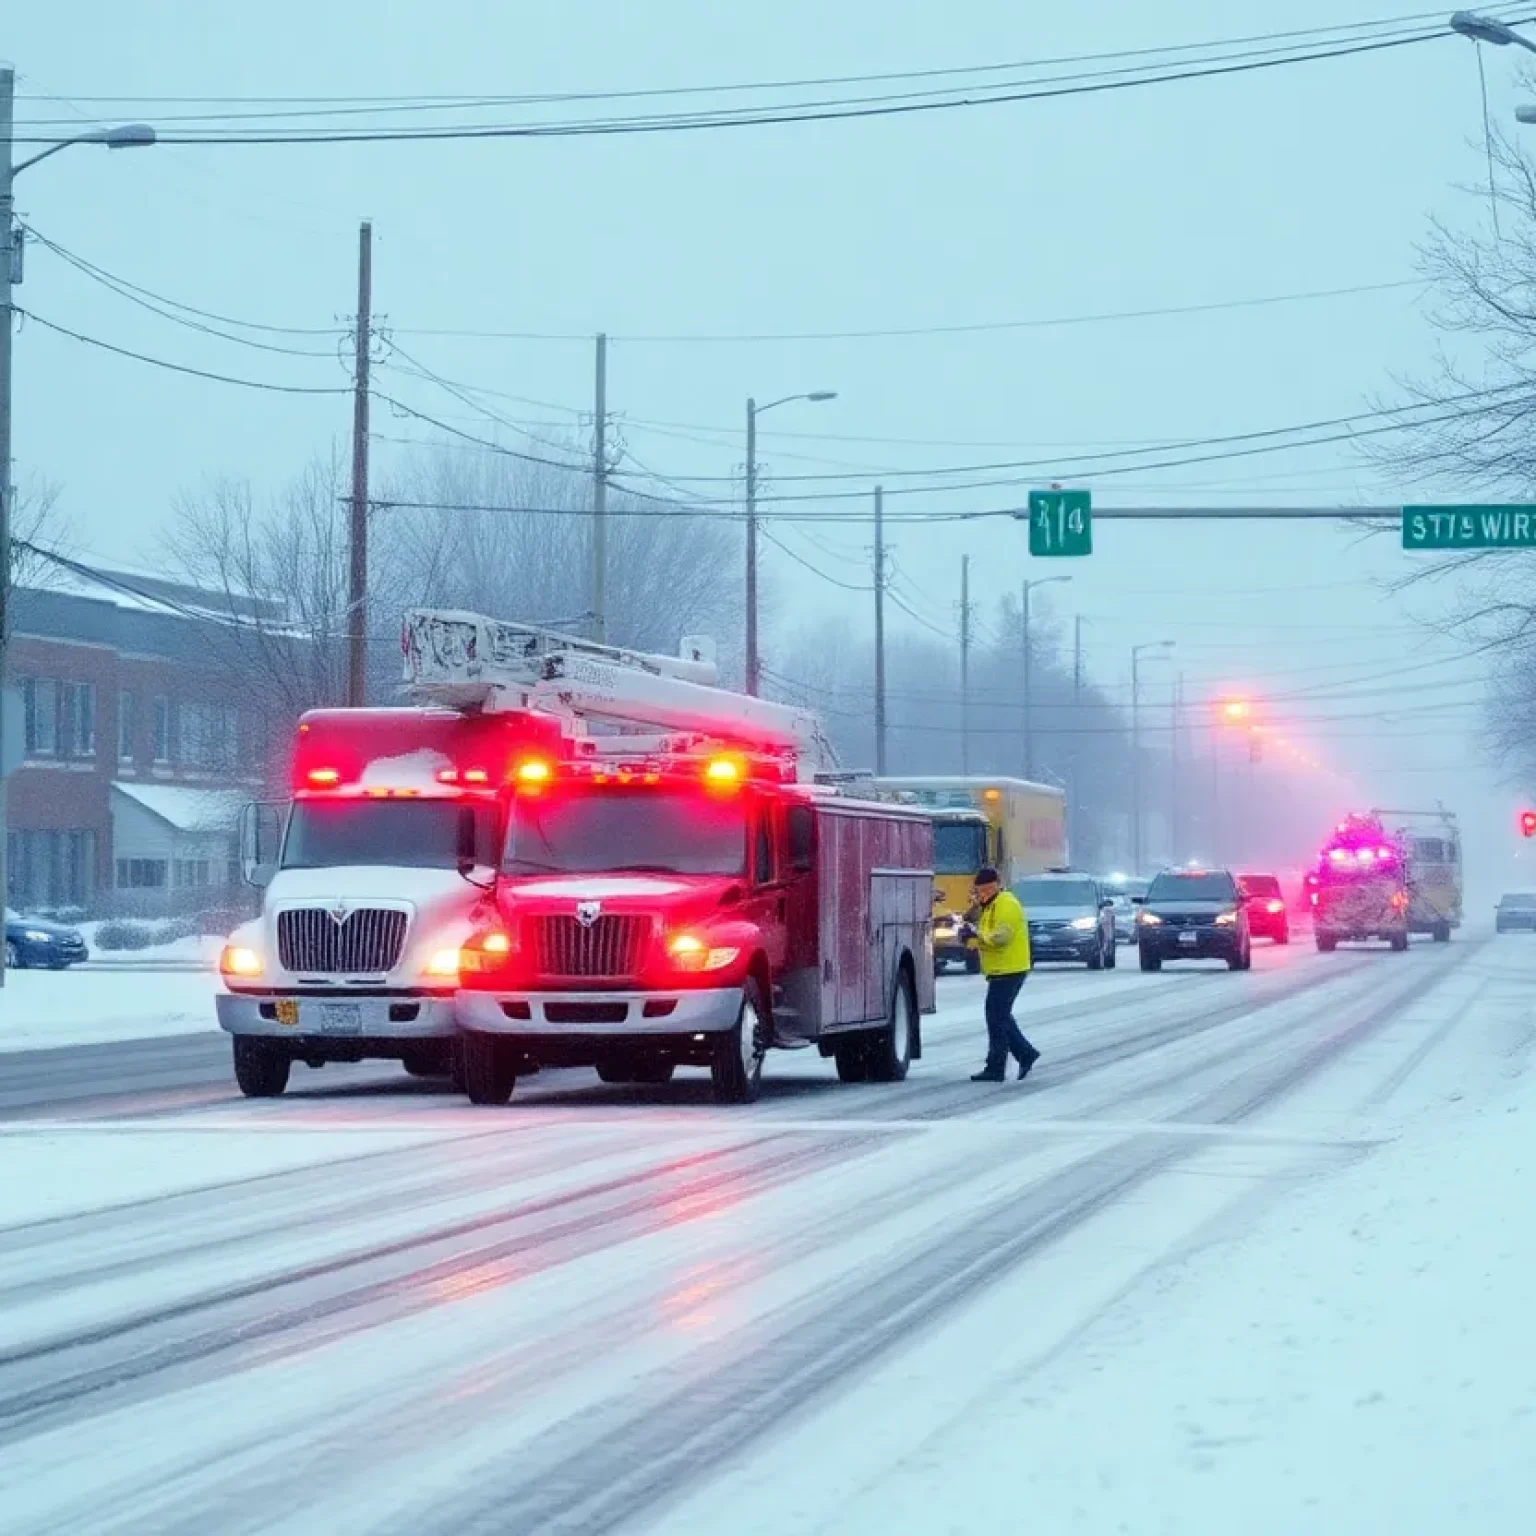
<point x="1248" y="1252"/>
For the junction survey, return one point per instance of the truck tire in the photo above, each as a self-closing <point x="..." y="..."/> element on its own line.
<point x="261" y="1069"/>
<point x="1112" y="955"/>
<point x="1442" y="933"/>
<point x="1150" y="961"/>
<point x="1242" y="960"/>
<point x="888" y="1052"/>
<point x="490" y="1074"/>
<point x="736" y="1066"/>
<point x="852" y="1058"/>
<point x="1326" y="943"/>
<point x="1096" y="959"/>
<point x="1399" y="942"/>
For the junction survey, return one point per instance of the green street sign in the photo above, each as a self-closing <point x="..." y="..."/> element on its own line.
<point x="1469" y="527"/>
<point x="1060" y="523"/>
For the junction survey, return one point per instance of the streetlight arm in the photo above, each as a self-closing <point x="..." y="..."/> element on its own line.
<point x="816" y="395"/>
<point x="126" y="136"/>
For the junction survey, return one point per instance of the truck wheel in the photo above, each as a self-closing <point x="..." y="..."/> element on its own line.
<point x="973" y="964"/>
<point x="1442" y="933"/>
<point x="489" y="1072"/>
<point x="736" y="1069"/>
<point x="1242" y="960"/>
<point x="888" y="1053"/>
<point x="1096" y="959"/>
<point x="852" y="1061"/>
<point x="1326" y="943"/>
<point x="1150" y="961"/>
<point x="260" y="1070"/>
<point x="1399" y="942"/>
<point x="1112" y="955"/>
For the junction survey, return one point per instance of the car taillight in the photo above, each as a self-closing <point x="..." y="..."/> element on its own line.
<point x="1274" y="906"/>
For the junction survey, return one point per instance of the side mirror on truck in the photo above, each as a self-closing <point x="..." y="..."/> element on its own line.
<point x="467" y="848"/>
<point x="261" y="836"/>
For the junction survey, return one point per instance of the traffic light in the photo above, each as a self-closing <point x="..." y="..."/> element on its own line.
<point x="1528" y="823"/>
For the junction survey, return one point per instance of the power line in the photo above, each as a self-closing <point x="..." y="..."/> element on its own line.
<point x="1044" y="322"/>
<point x="196" y="373"/>
<point x="847" y="586"/>
<point x="828" y="110"/>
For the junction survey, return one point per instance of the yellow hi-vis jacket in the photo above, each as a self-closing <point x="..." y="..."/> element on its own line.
<point x="1002" y="936"/>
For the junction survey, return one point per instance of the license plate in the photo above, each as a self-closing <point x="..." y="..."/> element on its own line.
<point x="341" y="1019"/>
<point x="1189" y="937"/>
<point x="288" y="1011"/>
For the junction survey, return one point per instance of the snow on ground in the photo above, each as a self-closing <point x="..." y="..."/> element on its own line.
<point x="195" y="949"/>
<point x="39" y="1009"/>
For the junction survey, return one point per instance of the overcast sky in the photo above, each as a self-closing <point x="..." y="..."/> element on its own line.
<point x="1290" y="181"/>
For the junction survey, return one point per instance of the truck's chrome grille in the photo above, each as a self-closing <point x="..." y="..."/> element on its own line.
<point x="612" y="947"/>
<point x="367" y="941"/>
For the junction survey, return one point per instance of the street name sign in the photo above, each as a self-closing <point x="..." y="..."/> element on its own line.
<point x="1060" y="523"/>
<point x="1511" y="527"/>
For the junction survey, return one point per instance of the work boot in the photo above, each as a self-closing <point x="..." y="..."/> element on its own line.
<point x="1028" y="1062"/>
<point x="988" y="1076"/>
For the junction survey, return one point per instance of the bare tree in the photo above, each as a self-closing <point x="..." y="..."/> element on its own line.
<point x="38" y="533"/>
<point x="1467" y="424"/>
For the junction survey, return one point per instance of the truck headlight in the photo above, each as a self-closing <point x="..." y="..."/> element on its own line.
<point x="1150" y="919"/>
<point x="444" y="964"/>
<point x="237" y="960"/>
<point x="1083" y="924"/>
<point x="690" y="953"/>
<point x="1226" y="919"/>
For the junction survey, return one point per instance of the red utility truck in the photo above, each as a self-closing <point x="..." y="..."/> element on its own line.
<point x="698" y="907"/>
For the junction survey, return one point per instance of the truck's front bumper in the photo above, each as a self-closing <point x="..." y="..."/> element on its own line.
<point x="599" y="1013"/>
<point x="336" y="1016"/>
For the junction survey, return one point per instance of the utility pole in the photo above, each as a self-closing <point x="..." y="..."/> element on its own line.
<point x="879" y="631"/>
<point x="1216" y="837"/>
<point x="357" y="585"/>
<point x="1136" y="650"/>
<point x="1029" y="698"/>
<point x="600" y="497"/>
<point x="1073" y="811"/>
<point x="753" y="677"/>
<point x="7" y="248"/>
<point x="1176" y="712"/>
<point x="965" y="664"/>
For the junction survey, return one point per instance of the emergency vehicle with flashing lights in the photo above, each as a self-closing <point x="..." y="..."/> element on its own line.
<point x="691" y="896"/>
<point x="377" y="869"/>
<point x="1359" y="887"/>
<point x="366" y="902"/>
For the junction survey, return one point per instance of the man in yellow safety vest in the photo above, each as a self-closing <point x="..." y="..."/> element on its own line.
<point x="1001" y="935"/>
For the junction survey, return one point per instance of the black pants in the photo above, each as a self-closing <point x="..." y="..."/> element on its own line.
<point x="1004" y="1038"/>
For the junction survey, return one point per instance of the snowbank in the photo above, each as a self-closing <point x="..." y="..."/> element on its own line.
<point x="82" y="1006"/>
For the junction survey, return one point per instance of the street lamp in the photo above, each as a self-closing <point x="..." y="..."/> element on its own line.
<point x="1483" y="29"/>
<point x="1164" y="646"/>
<point x="128" y="136"/>
<point x="1029" y="700"/>
<point x="754" y="410"/>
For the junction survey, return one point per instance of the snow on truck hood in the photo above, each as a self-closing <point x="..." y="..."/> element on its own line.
<point x="368" y="882"/>
<point x="598" y="887"/>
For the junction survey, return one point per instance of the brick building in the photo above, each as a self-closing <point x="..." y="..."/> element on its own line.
<point x="139" y="745"/>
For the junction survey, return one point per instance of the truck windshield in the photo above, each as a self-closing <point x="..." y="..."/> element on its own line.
<point x="959" y="848"/>
<point x="672" y="832"/>
<point x="406" y="834"/>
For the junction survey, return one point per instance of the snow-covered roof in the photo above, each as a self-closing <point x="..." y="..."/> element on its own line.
<point x="185" y="808"/>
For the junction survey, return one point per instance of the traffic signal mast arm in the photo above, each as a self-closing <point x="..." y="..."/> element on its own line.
<point x="469" y="661"/>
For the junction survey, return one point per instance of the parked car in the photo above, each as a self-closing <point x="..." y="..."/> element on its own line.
<point x="1267" y="917"/>
<point x="1194" y="914"/>
<point x="36" y="943"/>
<point x="1070" y="917"/>
<point x="1516" y="912"/>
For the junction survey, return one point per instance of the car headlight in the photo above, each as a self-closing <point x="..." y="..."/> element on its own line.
<point x="1226" y="919"/>
<point x="1083" y="924"/>
<point x="37" y="936"/>
<point x="1151" y="919"/>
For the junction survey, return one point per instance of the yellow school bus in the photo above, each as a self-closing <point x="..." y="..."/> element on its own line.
<point x="1017" y="827"/>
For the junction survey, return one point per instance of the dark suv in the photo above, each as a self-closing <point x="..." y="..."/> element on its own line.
<point x="1070" y="916"/>
<point x="1193" y="914"/>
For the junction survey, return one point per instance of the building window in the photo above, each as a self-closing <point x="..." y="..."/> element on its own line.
<point x="208" y="735"/>
<point x="191" y="873"/>
<point x="39" y="704"/>
<point x="141" y="874"/>
<point x="164" y="730"/>
<point x="51" y="869"/>
<point x="77" y="720"/>
<point x="127" y="727"/>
